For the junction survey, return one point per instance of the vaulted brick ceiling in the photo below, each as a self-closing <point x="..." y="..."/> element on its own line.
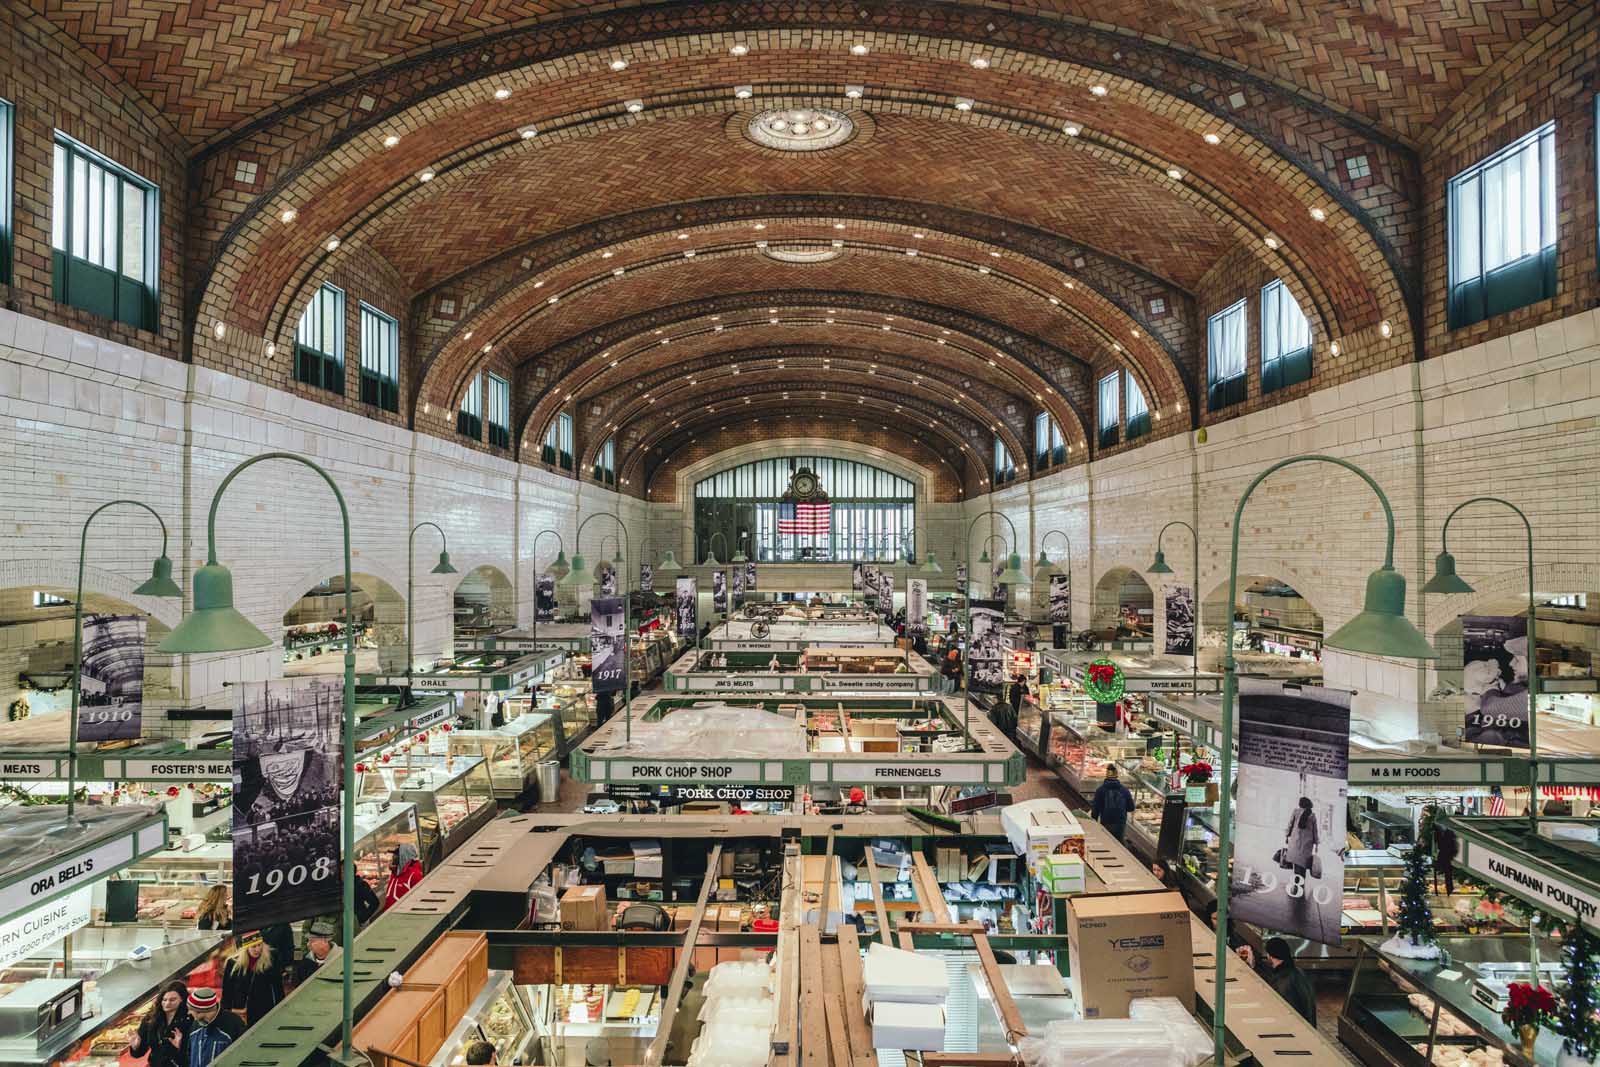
<point x="1016" y="247"/>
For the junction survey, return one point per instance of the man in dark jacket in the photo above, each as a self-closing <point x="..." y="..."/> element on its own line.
<point x="1288" y="980"/>
<point x="1112" y="803"/>
<point x="212" y="1029"/>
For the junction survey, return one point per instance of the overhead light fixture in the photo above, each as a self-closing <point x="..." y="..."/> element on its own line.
<point x="1099" y="90"/>
<point x="739" y="50"/>
<point x="1212" y="138"/>
<point x="391" y="140"/>
<point x="854" y="92"/>
<point x="288" y="215"/>
<point x="979" y="63"/>
<point x="425" y="175"/>
<point x="858" y="49"/>
<point x="683" y="236"/>
<point x="911" y="251"/>
<point x="489" y="347"/>
<point x="332" y="245"/>
<point x="467" y="336"/>
<point x="964" y="103"/>
<point x="619" y="64"/>
<point x="1174" y="173"/>
<point x="742" y="92"/>
<point x="838" y="225"/>
<point x="1386" y="328"/>
<point x="633" y="106"/>
<point x="688" y="253"/>
<point x="1333" y="349"/>
<point x="1271" y="242"/>
<point x="501" y="94"/>
<point x="529" y="132"/>
<point x="1072" y="129"/>
<point x="1319" y="214"/>
<point x="219" y="329"/>
<point x="272" y="349"/>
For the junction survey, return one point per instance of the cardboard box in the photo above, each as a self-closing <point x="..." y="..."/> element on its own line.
<point x="583" y="907"/>
<point x="907" y="1026"/>
<point x="1039" y="828"/>
<point x="1128" y="945"/>
<point x="1062" y="874"/>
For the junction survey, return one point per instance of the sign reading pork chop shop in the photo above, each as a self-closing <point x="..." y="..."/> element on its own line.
<point x="661" y="771"/>
<point x="736" y="794"/>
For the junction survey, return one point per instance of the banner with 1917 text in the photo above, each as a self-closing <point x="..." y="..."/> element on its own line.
<point x="686" y="606"/>
<point x="607" y="645"/>
<point x="1180" y="621"/>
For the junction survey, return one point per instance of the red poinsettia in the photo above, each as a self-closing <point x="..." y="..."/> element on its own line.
<point x="1102" y="673"/>
<point x="1198" y="772"/>
<point x="1530" y="1005"/>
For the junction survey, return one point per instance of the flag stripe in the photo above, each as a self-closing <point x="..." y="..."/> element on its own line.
<point x="806" y="519"/>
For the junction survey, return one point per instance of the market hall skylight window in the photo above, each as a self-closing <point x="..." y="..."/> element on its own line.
<point x="1049" y="447"/>
<point x="605" y="465"/>
<point x="558" y="443"/>
<point x="1503" y="230"/>
<point x="469" y="420"/>
<point x="1138" y="409"/>
<point x="104" y="226"/>
<point x="380" y="359"/>
<point x="1285" y="339"/>
<point x="499" y="412"/>
<point x="319" y="341"/>
<point x="1110" y="410"/>
<point x="1225" y="357"/>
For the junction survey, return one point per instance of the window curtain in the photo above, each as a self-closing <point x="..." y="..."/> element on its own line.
<point x="1225" y="356"/>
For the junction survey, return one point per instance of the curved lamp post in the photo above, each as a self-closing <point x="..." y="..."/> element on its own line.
<point x="559" y="568"/>
<point x="711" y="548"/>
<point x="1043" y="568"/>
<point x="1445" y="580"/>
<point x="1159" y="566"/>
<point x="159" y="584"/>
<point x="581" y="577"/>
<point x="1012" y="574"/>
<point x="442" y="567"/>
<point x="214" y="625"/>
<point x="1381" y="629"/>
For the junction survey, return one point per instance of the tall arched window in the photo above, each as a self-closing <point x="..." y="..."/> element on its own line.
<point x="872" y="513"/>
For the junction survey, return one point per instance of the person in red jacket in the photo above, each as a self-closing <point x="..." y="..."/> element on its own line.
<point x="405" y="871"/>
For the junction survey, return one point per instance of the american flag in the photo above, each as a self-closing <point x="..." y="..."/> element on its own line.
<point x="1497" y="802"/>
<point x="804" y="519"/>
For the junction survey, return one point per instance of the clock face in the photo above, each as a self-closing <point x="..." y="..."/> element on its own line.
<point x="805" y="483"/>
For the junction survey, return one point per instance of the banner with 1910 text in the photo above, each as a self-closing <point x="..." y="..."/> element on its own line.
<point x="111" y="678"/>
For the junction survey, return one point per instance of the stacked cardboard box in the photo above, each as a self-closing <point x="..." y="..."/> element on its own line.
<point x="1128" y="945"/>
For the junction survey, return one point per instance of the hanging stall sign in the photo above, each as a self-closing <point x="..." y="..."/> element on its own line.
<point x="686" y="607"/>
<point x="908" y="773"/>
<point x="1103" y="681"/>
<point x="1293" y="770"/>
<point x="30" y="887"/>
<point x="917" y="605"/>
<point x="1061" y="600"/>
<point x="647" y="577"/>
<point x="287" y="759"/>
<point x="608" y="645"/>
<point x="38" y="929"/>
<point x="750" y="577"/>
<point x="683" y="771"/>
<point x="544" y="598"/>
<point x="989" y="648"/>
<point x="1505" y="869"/>
<point x="1494" y="679"/>
<point x="30" y="767"/>
<point x="173" y="769"/>
<point x="719" y="592"/>
<point x="1180" y="621"/>
<point x="1427" y="772"/>
<point x="727" y="794"/>
<point x="111" y="678"/>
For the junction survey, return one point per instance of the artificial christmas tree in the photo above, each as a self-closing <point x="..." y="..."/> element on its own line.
<point x="1575" y="1021"/>
<point x="1413" y="937"/>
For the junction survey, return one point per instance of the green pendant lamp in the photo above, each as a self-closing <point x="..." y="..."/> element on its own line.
<point x="985" y="557"/>
<point x="1044" y="568"/>
<point x="1160" y="564"/>
<point x="711" y="559"/>
<point x="669" y="565"/>
<point x="1445" y="579"/>
<point x="443" y="566"/>
<point x="214" y="625"/>
<point x="1382" y="628"/>
<point x="560" y="568"/>
<point x="160" y="583"/>
<point x="931" y="565"/>
<point x="1013" y="575"/>
<point x="578" y="577"/>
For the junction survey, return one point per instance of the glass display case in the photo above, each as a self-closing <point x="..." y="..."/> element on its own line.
<point x="1079" y="751"/>
<point x="499" y="1015"/>
<point x="513" y="751"/>
<point x="452" y="795"/>
<point x="572" y="704"/>
<point x="380" y="829"/>
<point x="172" y="884"/>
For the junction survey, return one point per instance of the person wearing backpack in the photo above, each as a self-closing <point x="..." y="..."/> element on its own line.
<point x="1112" y="803"/>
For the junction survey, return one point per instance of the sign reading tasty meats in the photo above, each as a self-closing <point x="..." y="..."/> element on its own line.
<point x="287" y="773"/>
<point x="1293" y="774"/>
<point x="111" y="678"/>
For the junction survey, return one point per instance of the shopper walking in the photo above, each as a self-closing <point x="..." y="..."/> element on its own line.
<point x="163" y="1030"/>
<point x="252" y="979"/>
<point x="1301" y="839"/>
<point x="1019" y="692"/>
<point x="214" y="913"/>
<point x="1288" y="980"/>
<point x="1112" y="803"/>
<point x="404" y="872"/>
<point x="213" y="1029"/>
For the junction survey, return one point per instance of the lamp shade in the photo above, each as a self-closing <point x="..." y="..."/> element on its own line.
<point x="669" y="564"/>
<point x="578" y="577"/>
<point x="711" y="558"/>
<point x="443" y="566"/>
<point x="160" y="583"/>
<point x="931" y="565"/>
<point x="1013" y="575"/>
<point x="740" y="557"/>
<point x="1159" y="565"/>
<point x="1382" y="628"/>
<point x="1445" y="579"/>
<point x="214" y="625"/>
<point x="984" y="558"/>
<point x="560" y="567"/>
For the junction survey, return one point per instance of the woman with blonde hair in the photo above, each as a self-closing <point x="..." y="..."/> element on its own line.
<point x="214" y="913"/>
<point x="252" y="979"/>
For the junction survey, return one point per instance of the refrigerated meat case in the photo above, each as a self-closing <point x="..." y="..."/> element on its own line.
<point x="452" y="796"/>
<point x="382" y="827"/>
<point x="513" y="751"/>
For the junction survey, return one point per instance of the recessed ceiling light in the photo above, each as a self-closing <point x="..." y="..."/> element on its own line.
<point x="742" y="92"/>
<point x="1271" y="242"/>
<point x="1055" y="300"/>
<point x="1386" y="328"/>
<point x="633" y="106"/>
<point x="1333" y="349"/>
<point x="553" y="299"/>
<point x="501" y="94"/>
<point x="391" y="140"/>
<point x="219" y="329"/>
<point x="488" y="348"/>
<point x="1318" y="214"/>
<point x="761" y="244"/>
<point x="529" y="132"/>
<point x="688" y="253"/>
<point x="288" y="215"/>
<point x="854" y="92"/>
<point x="739" y="50"/>
<point x="272" y="350"/>
<point x="838" y="225"/>
<point x="858" y="49"/>
<point x="996" y="255"/>
<point x="539" y="284"/>
<point x="425" y="175"/>
<point x="919" y="236"/>
<point x="761" y="226"/>
<point x="964" y="103"/>
<point x="607" y="254"/>
<point x="1099" y="90"/>
<point x="683" y="237"/>
<point x="1212" y="138"/>
<point x="619" y="64"/>
<point x="983" y="270"/>
<point x="1174" y="173"/>
<point x="467" y="336"/>
<point x="980" y="63"/>
<point x="332" y="245"/>
<point x="1072" y="129"/>
<point x="911" y="251"/>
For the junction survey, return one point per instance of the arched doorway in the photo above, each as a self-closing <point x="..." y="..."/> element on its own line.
<point x="314" y="627"/>
<point x="484" y="602"/>
<point x="36" y="664"/>
<point x="1275" y="631"/>
<point x="1123" y="606"/>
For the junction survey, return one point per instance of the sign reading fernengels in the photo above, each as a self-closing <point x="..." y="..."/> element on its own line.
<point x="918" y="773"/>
<point x="1544" y="890"/>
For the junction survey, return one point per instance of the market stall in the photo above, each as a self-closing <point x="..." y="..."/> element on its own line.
<point x="872" y="669"/>
<point x="452" y="796"/>
<point x="513" y="751"/>
<point x="478" y="681"/>
<point x="796" y="635"/>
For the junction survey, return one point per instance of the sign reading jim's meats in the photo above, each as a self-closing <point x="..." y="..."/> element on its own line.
<point x="111" y="678"/>
<point x="1294" y="763"/>
<point x="287" y="752"/>
<point x="1494" y="679"/>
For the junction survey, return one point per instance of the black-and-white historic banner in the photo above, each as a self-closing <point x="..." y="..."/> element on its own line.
<point x="988" y="647"/>
<point x="1289" y="817"/>
<point x="111" y="678"/>
<point x="719" y="592"/>
<point x="1061" y="600"/>
<point x="608" y="579"/>
<point x="858" y="578"/>
<point x="738" y="586"/>
<point x="287" y="773"/>
<point x="1494" y="679"/>
<point x="608" y="645"/>
<point x="961" y="578"/>
<point x="750" y="577"/>
<point x="647" y="578"/>
<point x="544" y="598"/>
<point x="686" y="605"/>
<point x="916" y="605"/>
<point x="1180" y="621"/>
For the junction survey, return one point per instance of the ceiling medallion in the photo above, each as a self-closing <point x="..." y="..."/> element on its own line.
<point x="802" y="253"/>
<point x="801" y="129"/>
